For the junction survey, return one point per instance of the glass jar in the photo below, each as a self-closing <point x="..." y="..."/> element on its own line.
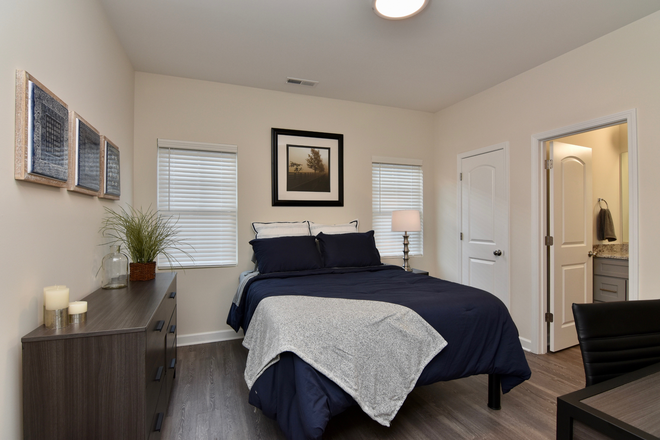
<point x="114" y="269"/>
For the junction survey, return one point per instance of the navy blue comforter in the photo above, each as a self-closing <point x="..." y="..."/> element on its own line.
<point x="481" y="336"/>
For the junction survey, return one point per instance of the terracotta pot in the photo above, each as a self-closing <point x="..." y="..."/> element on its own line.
<point x="142" y="271"/>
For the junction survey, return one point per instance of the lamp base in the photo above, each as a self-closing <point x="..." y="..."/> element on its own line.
<point x="406" y="264"/>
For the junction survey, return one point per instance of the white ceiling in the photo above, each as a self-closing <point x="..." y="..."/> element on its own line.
<point x="451" y="50"/>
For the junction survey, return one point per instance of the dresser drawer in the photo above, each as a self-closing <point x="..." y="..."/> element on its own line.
<point x="172" y="332"/>
<point x="170" y="357"/>
<point x="609" y="289"/>
<point x="155" y="360"/>
<point x="170" y="341"/>
<point x="157" y="332"/>
<point x="155" y="383"/>
<point x="157" y="418"/>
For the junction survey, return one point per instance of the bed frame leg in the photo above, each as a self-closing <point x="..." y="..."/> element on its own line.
<point x="494" y="391"/>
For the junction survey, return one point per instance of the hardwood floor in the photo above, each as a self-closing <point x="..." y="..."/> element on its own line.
<point x="209" y="401"/>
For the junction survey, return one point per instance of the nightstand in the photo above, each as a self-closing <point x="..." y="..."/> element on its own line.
<point x="420" y="271"/>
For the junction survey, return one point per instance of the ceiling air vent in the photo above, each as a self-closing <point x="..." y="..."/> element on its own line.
<point x="302" y="82"/>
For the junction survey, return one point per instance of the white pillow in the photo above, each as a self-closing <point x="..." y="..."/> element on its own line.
<point x="345" y="228"/>
<point x="280" y="229"/>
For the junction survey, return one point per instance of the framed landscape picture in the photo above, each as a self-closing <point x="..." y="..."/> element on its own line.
<point x="41" y="151"/>
<point x="307" y="168"/>
<point x="84" y="156"/>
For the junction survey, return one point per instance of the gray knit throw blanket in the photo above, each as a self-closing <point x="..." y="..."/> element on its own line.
<point x="375" y="351"/>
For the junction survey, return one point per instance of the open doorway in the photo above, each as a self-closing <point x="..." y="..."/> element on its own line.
<point x="587" y="185"/>
<point x="540" y="254"/>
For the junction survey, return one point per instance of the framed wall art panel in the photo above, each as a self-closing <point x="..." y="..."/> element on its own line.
<point x="84" y="156"/>
<point x="110" y="170"/>
<point x="307" y="168"/>
<point x="41" y="152"/>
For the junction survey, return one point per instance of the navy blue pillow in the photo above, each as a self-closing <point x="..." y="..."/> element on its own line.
<point x="349" y="250"/>
<point x="286" y="254"/>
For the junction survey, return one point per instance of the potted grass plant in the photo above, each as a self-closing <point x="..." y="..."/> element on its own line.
<point x="144" y="236"/>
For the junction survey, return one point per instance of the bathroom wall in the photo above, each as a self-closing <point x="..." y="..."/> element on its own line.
<point x="607" y="144"/>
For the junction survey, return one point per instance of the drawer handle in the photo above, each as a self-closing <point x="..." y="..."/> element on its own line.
<point x="159" y="422"/>
<point x="159" y="326"/>
<point x="172" y="363"/>
<point x="172" y="295"/>
<point x="159" y="374"/>
<point x="608" y="290"/>
<point x="173" y="328"/>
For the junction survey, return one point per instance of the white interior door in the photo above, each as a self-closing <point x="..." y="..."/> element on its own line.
<point x="484" y="202"/>
<point x="571" y="226"/>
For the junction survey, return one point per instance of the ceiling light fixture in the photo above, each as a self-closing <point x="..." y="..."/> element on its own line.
<point x="398" y="9"/>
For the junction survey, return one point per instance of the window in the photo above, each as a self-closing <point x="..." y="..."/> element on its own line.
<point x="197" y="186"/>
<point x="396" y="184"/>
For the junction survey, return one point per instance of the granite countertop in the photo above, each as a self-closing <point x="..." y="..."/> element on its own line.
<point x="614" y="251"/>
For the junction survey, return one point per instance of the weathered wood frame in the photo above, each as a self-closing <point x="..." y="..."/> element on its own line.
<point x="74" y="156"/>
<point x="21" y="165"/>
<point x="104" y="164"/>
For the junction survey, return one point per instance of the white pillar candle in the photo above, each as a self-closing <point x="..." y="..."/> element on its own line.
<point x="56" y="297"/>
<point x="77" y="307"/>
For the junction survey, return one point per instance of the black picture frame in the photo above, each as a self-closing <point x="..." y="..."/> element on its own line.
<point x="307" y="168"/>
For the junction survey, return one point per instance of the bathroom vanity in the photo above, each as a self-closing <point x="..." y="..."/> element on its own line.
<point x="611" y="274"/>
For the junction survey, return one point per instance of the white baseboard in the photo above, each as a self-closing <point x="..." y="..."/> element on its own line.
<point x="205" y="338"/>
<point x="526" y="343"/>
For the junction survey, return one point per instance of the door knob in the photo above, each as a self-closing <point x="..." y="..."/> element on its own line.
<point x="497" y="253"/>
<point x="590" y="254"/>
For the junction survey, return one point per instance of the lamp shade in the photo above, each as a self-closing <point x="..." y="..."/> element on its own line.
<point x="406" y="221"/>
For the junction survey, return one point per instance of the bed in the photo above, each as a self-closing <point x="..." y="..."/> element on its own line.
<point x="337" y="283"/>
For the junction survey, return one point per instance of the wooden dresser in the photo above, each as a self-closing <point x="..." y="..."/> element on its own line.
<point x="109" y="378"/>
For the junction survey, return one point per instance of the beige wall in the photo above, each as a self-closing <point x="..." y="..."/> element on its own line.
<point x="48" y="235"/>
<point x="183" y="109"/>
<point x="51" y="236"/>
<point x="615" y="73"/>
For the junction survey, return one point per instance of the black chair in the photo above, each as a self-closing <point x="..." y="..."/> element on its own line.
<point x="617" y="337"/>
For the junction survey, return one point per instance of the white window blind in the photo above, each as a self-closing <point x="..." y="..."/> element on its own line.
<point x="396" y="186"/>
<point x="197" y="187"/>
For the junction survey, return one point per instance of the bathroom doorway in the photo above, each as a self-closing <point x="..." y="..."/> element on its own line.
<point x="585" y="206"/>
<point x="622" y="180"/>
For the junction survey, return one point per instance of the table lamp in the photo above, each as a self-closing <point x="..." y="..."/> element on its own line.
<point x="406" y="221"/>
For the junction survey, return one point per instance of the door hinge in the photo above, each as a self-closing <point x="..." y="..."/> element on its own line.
<point x="549" y="240"/>
<point x="460" y="176"/>
<point x="549" y="317"/>
<point x="548" y="164"/>
<point x="461" y="236"/>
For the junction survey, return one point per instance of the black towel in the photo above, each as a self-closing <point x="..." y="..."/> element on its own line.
<point x="605" y="226"/>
